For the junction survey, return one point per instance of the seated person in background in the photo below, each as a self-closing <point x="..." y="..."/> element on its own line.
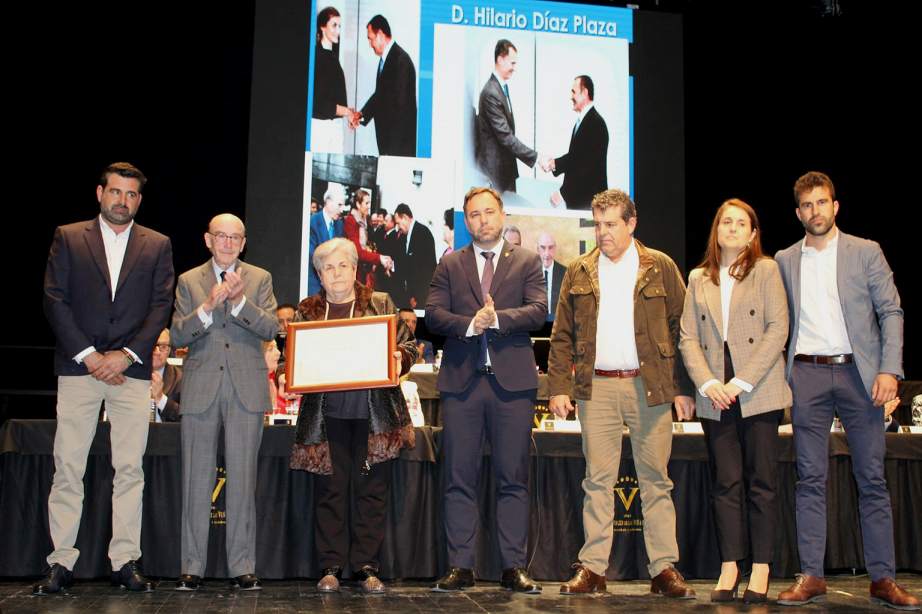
<point x="426" y="354"/>
<point x="165" y="381"/>
<point x="285" y="313"/>
<point x="271" y="353"/>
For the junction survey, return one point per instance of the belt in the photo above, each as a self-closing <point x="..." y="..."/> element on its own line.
<point x="618" y="373"/>
<point x="486" y="370"/>
<point x="838" y="359"/>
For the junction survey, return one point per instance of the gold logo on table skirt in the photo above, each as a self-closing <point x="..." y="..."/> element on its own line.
<point x="218" y="513"/>
<point x="628" y="517"/>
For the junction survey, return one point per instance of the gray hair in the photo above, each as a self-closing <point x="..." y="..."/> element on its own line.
<point x="327" y="248"/>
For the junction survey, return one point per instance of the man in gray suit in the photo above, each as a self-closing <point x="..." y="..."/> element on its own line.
<point x="497" y="146"/>
<point x="844" y="356"/>
<point x="224" y="310"/>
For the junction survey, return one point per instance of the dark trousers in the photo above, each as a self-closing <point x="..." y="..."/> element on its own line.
<point x="744" y="466"/>
<point x="348" y="451"/>
<point x="820" y="391"/>
<point x="486" y="410"/>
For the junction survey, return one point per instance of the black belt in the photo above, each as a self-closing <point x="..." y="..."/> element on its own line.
<point x="838" y="359"/>
<point x="486" y="370"/>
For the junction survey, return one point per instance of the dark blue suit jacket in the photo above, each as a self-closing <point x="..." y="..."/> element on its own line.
<point x="78" y="295"/>
<point x="318" y="234"/>
<point x="521" y="306"/>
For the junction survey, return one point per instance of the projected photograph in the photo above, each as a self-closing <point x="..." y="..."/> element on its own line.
<point x="363" y="94"/>
<point x="543" y="118"/>
<point x="396" y="212"/>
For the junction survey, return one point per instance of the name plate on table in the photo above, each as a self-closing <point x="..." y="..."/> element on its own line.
<point x="912" y="429"/>
<point x="338" y="355"/>
<point x="692" y="428"/>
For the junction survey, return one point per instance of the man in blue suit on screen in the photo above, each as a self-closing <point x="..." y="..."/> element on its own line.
<point x="326" y="224"/>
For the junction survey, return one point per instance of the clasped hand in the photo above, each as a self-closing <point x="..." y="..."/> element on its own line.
<point x="485" y="316"/>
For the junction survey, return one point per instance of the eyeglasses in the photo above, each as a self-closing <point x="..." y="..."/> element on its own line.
<point x="163" y="347"/>
<point x="220" y="236"/>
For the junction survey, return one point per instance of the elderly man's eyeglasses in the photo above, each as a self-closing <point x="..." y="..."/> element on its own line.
<point x="220" y="236"/>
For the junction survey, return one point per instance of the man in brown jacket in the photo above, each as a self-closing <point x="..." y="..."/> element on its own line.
<point x="617" y="324"/>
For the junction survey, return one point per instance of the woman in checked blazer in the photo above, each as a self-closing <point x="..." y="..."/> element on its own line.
<point x="734" y="326"/>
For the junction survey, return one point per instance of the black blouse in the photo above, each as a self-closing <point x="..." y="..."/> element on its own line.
<point x="329" y="84"/>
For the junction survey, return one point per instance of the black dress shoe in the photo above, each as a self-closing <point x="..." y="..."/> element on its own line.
<point x="247" y="582"/>
<point x="188" y="582"/>
<point x="131" y="577"/>
<point x="58" y="578"/>
<point x="456" y="579"/>
<point x="518" y="580"/>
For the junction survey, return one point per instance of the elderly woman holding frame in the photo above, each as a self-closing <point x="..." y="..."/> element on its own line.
<point x="734" y="326"/>
<point x="348" y="437"/>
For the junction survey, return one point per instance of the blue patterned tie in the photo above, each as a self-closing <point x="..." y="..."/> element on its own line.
<point x="485" y="282"/>
<point x="380" y="65"/>
<point x="330" y="230"/>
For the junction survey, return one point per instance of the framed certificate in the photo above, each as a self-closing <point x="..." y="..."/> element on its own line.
<point x="335" y="355"/>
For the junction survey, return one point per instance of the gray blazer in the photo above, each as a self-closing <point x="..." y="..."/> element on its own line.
<point x="232" y="344"/>
<point x="497" y="146"/>
<point x="870" y="304"/>
<point x="756" y="334"/>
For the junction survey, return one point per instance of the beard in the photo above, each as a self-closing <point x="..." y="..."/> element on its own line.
<point x="116" y="214"/>
<point x="818" y="230"/>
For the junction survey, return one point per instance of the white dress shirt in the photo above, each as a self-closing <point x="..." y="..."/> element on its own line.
<point x="726" y="295"/>
<point x="481" y="264"/>
<point x="615" y="346"/>
<point x="548" y="285"/>
<point x="821" y="330"/>
<point x="206" y="318"/>
<point x="115" y="245"/>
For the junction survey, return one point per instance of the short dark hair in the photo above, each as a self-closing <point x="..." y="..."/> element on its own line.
<point x="123" y="169"/>
<point x="586" y="82"/>
<point x="379" y="24"/>
<point x="403" y="209"/>
<point x="383" y="212"/>
<point x="811" y="180"/>
<point x="502" y="49"/>
<point x="615" y="198"/>
<point x="482" y="190"/>
<point x="286" y="306"/>
<point x="450" y="218"/>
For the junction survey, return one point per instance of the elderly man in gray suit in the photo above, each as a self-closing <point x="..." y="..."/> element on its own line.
<point x="845" y="356"/>
<point x="225" y="309"/>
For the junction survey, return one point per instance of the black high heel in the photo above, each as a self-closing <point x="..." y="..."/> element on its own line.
<point x="754" y="597"/>
<point x="724" y="595"/>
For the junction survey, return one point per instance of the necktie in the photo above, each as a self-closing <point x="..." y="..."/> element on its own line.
<point x="506" y="92"/>
<point x="486" y="280"/>
<point x="380" y="66"/>
<point x="223" y="275"/>
<point x="330" y="230"/>
<point x="547" y="290"/>
<point x="576" y="126"/>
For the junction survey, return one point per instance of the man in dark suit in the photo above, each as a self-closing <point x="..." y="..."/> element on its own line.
<point x="225" y="310"/>
<point x="552" y="271"/>
<point x="165" y="382"/>
<point x="497" y="147"/>
<point x="390" y="244"/>
<point x="485" y="298"/>
<point x="845" y="355"/>
<point x="393" y="103"/>
<point x="585" y="165"/>
<point x="416" y="258"/>
<point x="107" y="297"/>
<point x="426" y="354"/>
<point x="326" y="224"/>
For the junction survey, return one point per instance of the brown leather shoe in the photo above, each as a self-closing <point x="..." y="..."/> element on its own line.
<point x="583" y="581"/>
<point x="806" y="589"/>
<point x="670" y="583"/>
<point x="887" y="592"/>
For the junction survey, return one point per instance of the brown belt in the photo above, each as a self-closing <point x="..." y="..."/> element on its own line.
<point x="838" y="359"/>
<point x="618" y="373"/>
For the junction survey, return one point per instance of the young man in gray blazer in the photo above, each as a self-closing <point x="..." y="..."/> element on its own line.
<point x="845" y="356"/>
<point x="224" y="310"/>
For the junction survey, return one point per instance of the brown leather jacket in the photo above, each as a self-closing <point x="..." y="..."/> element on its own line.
<point x="658" y="299"/>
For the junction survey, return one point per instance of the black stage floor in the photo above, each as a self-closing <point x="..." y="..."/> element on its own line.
<point x="846" y="594"/>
